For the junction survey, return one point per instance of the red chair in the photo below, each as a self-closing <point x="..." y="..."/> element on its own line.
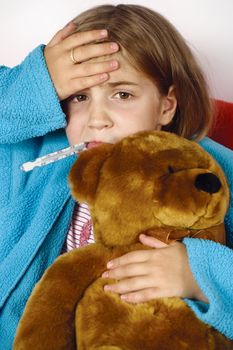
<point x="222" y="130"/>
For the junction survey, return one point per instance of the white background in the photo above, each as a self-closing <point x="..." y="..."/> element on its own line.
<point x="207" y="25"/>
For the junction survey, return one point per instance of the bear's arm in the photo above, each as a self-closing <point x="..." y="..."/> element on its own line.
<point x="48" y="319"/>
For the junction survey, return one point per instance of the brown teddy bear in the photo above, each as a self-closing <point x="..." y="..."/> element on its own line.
<point x="151" y="182"/>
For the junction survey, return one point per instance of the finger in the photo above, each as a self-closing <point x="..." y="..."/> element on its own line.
<point x="62" y="34"/>
<point x="129" y="258"/>
<point x="152" y="242"/>
<point x="126" y="271"/>
<point x="82" y="38"/>
<point x="79" y="84"/>
<point x="84" y="53"/>
<point x="89" y="69"/>
<point x="145" y="295"/>
<point x="129" y="285"/>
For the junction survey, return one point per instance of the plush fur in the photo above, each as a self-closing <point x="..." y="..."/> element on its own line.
<point x="153" y="182"/>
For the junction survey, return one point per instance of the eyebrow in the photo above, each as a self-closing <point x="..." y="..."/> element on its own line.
<point x="113" y="84"/>
<point x="121" y="82"/>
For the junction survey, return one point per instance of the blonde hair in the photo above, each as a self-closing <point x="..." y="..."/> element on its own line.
<point x="156" y="48"/>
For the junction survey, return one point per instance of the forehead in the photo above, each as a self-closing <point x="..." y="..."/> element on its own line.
<point x="126" y="71"/>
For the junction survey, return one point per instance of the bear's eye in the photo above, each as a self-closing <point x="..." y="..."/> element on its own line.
<point x="170" y="169"/>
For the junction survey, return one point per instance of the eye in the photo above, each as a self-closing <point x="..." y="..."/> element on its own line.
<point x="80" y="98"/>
<point x="123" y="95"/>
<point x="170" y="169"/>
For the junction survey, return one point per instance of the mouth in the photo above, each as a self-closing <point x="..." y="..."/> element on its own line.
<point x="93" y="144"/>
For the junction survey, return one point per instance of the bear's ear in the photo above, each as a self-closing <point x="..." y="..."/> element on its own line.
<point x="84" y="175"/>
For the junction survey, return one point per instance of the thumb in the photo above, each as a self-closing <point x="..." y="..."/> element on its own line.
<point x="63" y="33"/>
<point x="151" y="241"/>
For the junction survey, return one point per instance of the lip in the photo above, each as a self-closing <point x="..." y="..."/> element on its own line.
<point x="93" y="144"/>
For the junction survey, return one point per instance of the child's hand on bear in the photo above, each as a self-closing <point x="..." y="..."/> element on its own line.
<point x="147" y="274"/>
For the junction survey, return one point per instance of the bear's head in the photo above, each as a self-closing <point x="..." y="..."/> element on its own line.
<point x="146" y="181"/>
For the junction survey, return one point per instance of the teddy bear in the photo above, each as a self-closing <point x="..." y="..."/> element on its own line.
<point x="156" y="183"/>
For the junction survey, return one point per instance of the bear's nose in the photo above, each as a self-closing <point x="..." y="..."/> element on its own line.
<point x="208" y="182"/>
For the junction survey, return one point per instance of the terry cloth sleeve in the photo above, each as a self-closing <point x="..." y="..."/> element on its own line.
<point x="29" y="105"/>
<point x="212" y="263"/>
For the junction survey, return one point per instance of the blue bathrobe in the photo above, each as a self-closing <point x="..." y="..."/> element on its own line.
<point x="36" y="207"/>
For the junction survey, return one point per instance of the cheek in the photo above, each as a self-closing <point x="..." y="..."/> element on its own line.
<point x="74" y="128"/>
<point x="148" y="111"/>
<point x="142" y="116"/>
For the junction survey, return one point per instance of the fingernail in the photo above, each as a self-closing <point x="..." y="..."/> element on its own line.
<point x="124" y="297"/>
<point x="114" y="46"/>
<point x="104" y="33"/>
<point x="104" y="76"/>
<point x="142" y="235"/>
<point x="109" y="264"/>
<point x="70" y="23"/>
<point x="105" y="274"/>
<point x="107" y="287"/>
<point x="114" y="64"/>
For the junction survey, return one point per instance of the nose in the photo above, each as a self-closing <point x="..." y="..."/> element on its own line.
<point x="99" y="118"/>
<point x="208" y="182"/>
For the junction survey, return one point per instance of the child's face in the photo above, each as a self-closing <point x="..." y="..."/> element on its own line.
<point x="125" y="104"/>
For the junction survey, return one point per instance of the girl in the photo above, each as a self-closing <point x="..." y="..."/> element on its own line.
<point x="153" y="82"/>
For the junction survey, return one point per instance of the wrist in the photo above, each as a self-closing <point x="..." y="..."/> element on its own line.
<point x="200" y="296"/>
